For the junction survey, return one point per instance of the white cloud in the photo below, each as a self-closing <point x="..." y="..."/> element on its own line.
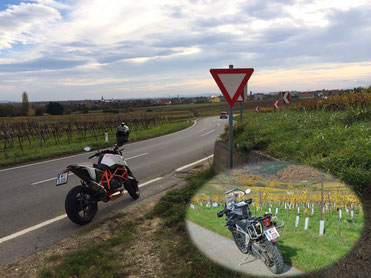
<point x="21" y="23"/>
<point x="155" y="46"/>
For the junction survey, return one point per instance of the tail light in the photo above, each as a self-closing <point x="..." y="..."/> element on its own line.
<point x="267" y="222"/>
<point x="69" y="168"/>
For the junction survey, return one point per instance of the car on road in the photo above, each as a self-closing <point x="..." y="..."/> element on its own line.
<point x="223" y="115"/>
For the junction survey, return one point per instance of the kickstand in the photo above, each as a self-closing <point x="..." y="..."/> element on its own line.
<point x="245" y="260"/>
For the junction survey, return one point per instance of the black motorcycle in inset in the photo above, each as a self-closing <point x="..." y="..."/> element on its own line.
<point x="253" y="235"/>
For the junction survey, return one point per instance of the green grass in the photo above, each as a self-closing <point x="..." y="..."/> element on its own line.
<point x="179" y="256"/>
<point x="337" y="142"/>
<point x="305" y="250"/>
<point x="63" y="147"/>
<point x="99" y="259"/>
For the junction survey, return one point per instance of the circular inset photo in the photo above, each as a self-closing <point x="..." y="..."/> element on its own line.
<point x="275" y="219"/>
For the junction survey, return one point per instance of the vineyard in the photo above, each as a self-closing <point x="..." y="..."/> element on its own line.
<point x="342" y="102"/>
<point x="323" y="217"/>
<point x="29" y="138"/>
<point x="20" y="133"/>
<point x="293" y="203"/>
<point x="301" y="241"/>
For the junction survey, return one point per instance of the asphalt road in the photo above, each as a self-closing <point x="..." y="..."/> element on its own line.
<point x="224" y="251"/>
<point x="32" y="208"/>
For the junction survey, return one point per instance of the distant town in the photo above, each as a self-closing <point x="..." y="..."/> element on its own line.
<point x="30" y="108"/>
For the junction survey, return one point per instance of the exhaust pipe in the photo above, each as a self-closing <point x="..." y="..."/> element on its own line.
<point x="98" y="188"/>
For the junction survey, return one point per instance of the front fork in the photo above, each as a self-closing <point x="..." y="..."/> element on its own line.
<point x="130" y="173"/>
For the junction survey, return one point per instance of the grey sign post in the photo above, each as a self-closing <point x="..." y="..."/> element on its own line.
<point x="231" y="83"/>
<point x="230" y="134"/>
<point x="240" y="111"/>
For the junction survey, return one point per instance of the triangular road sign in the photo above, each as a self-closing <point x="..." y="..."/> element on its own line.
<point x="243" y="96"/>
<point x="231" y="82"/>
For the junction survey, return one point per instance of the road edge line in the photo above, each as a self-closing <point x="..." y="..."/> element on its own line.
<point x="30" y="229"/>
<point x="193" y="163"/>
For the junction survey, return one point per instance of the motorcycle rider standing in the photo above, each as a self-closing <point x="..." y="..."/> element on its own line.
<point x="122" y="134"/>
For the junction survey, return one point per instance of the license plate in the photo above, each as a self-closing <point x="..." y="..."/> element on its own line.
<point x="62" y="178"/>
<point x="272" y="234"/>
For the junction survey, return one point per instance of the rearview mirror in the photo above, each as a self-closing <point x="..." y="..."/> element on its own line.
<point x="87" y="149"/>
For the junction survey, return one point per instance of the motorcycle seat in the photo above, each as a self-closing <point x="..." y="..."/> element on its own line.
<point x="259" y="218"/>
<point x="101" y="166"/>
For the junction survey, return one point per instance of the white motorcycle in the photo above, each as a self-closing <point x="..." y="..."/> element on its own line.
<point x="104" y="181"/>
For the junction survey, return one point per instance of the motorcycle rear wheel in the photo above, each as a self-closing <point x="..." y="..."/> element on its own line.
<point x="274" y="260"/>
<point x="132" y="188"/>
<point x="79" y="207"/>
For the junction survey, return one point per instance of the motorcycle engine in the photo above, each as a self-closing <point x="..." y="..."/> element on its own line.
<point x="115" y="183"/>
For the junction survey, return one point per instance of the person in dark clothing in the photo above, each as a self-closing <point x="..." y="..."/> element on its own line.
<point x="122" y="134"/>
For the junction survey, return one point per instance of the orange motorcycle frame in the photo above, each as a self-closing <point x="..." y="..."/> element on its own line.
<point x="108" y="176"/>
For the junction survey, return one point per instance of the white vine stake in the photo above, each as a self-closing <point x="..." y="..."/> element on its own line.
<point x="297" y="221"/>
<point x="321" y="227"/>
<point x="306" y="223"/>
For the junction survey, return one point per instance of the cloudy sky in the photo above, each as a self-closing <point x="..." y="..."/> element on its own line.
<point x="86" y="49"/>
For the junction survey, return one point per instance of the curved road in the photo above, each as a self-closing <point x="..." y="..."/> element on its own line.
<point x="32" y="208"/>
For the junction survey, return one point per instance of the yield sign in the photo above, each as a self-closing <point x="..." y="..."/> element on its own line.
<point x="231" y="82"/>
<point x="276" y="104"/>
<point x="285" y="97"/>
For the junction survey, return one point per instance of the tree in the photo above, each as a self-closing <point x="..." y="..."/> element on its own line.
<point x="54" y="108"/>
<point x="8" y="110"/>
<point x="25" y="103"/>
<point x="40" y="110"/>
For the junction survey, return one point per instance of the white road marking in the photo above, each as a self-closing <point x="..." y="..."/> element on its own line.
<point x="135" y="156"/>
<point x="50" y="221"/>
<point x="70" y="174"/>
<point x="44" y="181"/>
<point x="208" y="132"/>
<point x="66" y="157"/>
<point x="151" y="181"/>
<point x="30" y="229"/>
<point x="41" y="162"/>
<point x="194" y="163"/>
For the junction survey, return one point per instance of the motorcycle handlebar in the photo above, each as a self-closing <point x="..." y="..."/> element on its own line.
<point x="116" y="150"/>
<point x="92" y="156"/>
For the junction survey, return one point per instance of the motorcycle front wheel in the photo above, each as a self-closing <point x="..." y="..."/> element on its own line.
<point x="80" y="207"/>
<point x="131" y="186"/>
<point x="273" y="257"/>
<point x="240" y="240"/>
